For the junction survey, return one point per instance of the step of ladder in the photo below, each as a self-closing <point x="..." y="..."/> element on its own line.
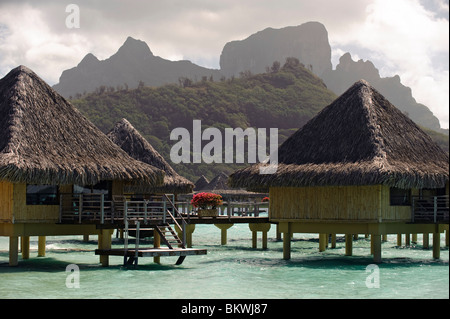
<point x="169" y="236"/>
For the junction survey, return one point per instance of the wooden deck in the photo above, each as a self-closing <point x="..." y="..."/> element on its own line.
<point x="150" y="252"/>
<point x="223" y="219"/>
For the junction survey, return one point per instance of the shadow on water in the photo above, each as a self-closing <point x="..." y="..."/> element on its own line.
<point x="50" y="264"/>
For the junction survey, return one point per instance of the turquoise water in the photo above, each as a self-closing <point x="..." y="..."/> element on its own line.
<point x="232" y="271"/>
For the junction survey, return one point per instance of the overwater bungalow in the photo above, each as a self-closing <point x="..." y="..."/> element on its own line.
<point x="134" y="144"/>
<point x="360" y="166"/>
<point x="201" y="183"/>
<point x="49" y="155"/>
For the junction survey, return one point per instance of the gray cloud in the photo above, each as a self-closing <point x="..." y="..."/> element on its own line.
<point x="34" y="33"/>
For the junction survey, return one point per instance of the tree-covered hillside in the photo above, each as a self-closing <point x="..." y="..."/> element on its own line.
<point x="285" y="97"/>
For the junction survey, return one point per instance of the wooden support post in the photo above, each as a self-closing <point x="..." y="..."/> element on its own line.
<point x="156" y="244"/>
<point x="85" y="238"/>
<point x="446" y="237"/>
<point x="104" y="242"/>
<point x="408" y="239"/>
<point x="436" y="245"/>
<point x="264" y="240"/>
<point x="254" y="239"/>
<point x="25" y="244"/>
<point x="323" y="241"/>
<point x="384" y="237"/>
<point x="287" y="243"/>
<point x="426" y="241"/>
<point x="278" y="233"/>
<point x="399" y="239"/>
<point x="376" y="247"/>
<point x="414" y="238"/>
<point x="189" y="229"/>
<point x="223" y="232"/>
<point x="348" y="244"/>
<point x="264" y="228"/>
<point x="41" y="246"/>
<point x="333" y="240"/>
<point x="13" y="250"/>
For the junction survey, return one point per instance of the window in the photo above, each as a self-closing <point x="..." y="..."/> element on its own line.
<point x="400" y="197"/>
<point x="42" y="195"/>
<point x="104" y="187"/>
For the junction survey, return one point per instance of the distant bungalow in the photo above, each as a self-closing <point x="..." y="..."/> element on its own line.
<point x="134" y="144"/>
<point x="359" y="166"/>
<point x="48" y="148"/>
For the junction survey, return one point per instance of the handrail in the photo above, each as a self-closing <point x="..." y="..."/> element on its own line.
<point x="430" y="208"/>
<point x="183" y="228"/>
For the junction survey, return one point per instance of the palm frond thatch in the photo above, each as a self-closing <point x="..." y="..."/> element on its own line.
<point x="45" y="140"/>
<point x="201" y="183"/>
<point x="359" y="139"/>
<point x="134" y="144"/>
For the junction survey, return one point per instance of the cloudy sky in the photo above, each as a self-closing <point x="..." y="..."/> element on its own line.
<point x="405" y="37"/>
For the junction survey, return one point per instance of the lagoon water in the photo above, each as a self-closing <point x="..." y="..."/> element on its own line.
<point x="234" y="271"/>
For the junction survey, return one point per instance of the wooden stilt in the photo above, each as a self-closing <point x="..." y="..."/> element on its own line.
<point x="333" y="240"/>
<point x="25" y="244"/>
<point x="426" y="241"/>
<point x="278" y="233"/>
<point x="408" y="239"/>
<point x="104" y="242"/>
<point x="264" y="228"/>
<point x="399" y="239"/>
<point x="414" y="238"/>
<point x="323" y="242"/>
<point x="376" y="246"/>
<point x="41" y="246"/>
<point x="13" y="250"/>
<point x="436" y="245"/>
<point x="348" y="244"/>
<point x="287" y="243"/>
<point x="223" y="232"/>
<point x="446" y="237"/>
<point x="156" y="244"/>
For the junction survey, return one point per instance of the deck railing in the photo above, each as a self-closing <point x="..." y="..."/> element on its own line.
<point x="85" y="207"/>
<point x="430" y="209"/>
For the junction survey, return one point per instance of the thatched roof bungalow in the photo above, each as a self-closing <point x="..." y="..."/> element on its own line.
<point x="134" y="144"/>
<point x="46" y="142"/>
<point x="360" y="139"/>
<point x="360" y="160"/>
<point x="201" y="183"/>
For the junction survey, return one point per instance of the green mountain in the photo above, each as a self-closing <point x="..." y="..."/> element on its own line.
<point x="285" y="97"/>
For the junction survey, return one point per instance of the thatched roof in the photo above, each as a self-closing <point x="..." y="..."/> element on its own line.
<point x="359" y="139"/>
<point x="134" y="144"/>
<point x="201" y="183"/>
<point x="45" y="140"/>
<point x="219" y="185"/>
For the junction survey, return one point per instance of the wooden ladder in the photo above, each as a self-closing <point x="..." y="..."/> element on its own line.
<point x="169" y="236"/>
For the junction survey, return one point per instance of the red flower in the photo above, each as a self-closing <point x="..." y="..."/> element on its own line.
<point x="206" y="200"/>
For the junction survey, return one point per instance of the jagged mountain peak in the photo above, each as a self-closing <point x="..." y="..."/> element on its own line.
<point x="134" y="48"/>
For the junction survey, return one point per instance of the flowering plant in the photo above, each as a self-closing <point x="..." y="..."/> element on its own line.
<point x="265" y="199"/>
<point x="206" y="200"/>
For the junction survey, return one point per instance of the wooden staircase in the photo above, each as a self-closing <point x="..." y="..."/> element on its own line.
<point x="169" y="236"/>
<point x="161" y="223"/>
